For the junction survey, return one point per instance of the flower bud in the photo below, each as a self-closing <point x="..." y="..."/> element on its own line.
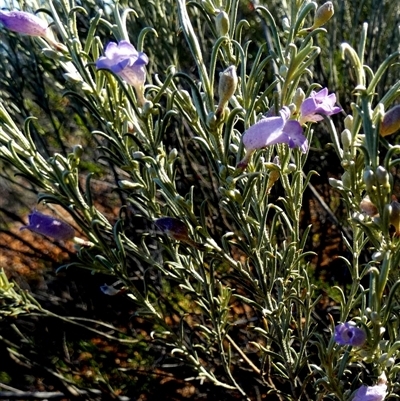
<point x="346" y="139"/>
<point x="382" y="176"/>
<point x="233" y="148"/>
<point x="390" y="122"/>
<point x="212" y="120"/>
<point x="389" y="362"/>
<point x="283" y="70"/>
<point x="348" y="122"/>
<point x="138" y="155"/>
<point x="147" y="107"/>
<point x="377" y="256"/>
<point x="51" y="54"/>
<point x="298" y="98"/>
<point x="336" y="183"/>
<point x="77" y="150"/>
<point x="172" y="155"/>
<point x="323" y="15"/>
<point x="375" y="317"/>
<point x="383" y="357"/>
<point x="286" y="24"/>
<point x="369" y="178"/>
<point x="227" y="86"/>
<point x="222" y="23"/>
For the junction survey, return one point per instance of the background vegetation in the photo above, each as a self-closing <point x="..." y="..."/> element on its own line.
<point x="39" y="352"/>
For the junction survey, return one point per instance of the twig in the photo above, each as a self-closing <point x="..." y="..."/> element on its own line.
<point x="242" y="354"/>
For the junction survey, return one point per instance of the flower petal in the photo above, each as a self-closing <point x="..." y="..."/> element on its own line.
<point x="127" y="49"/>
<point x="116" y="68"/>
<point x="295" y="134"/>
<point x="307" y="110"/>
<point x="104" y="63"/>
<point x="124" y="60"/>
<point x="371" y="393"/>
<point x="321" y="95"/>
<point x="111" y="50"/>
<point x="273" y="130"/>
<point x="318" y="104"/>
<point x="349" y="334"/>
<point x="265" y="132"/>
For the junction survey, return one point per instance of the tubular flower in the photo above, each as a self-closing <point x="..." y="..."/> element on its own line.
<point x="271" y="131"/>
<point x="318" y="104"/>
<point x="124" y="60"/>
<point x="28" y="24"/>
<point x="371" y="393"/>
<point x="23" y="22"/>
<point x="51" y="227"/>
<point x="348" y="334"/>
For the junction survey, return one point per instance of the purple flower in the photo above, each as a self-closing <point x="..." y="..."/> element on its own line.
<point x="124" y="60"/>
<point x="175" y="228"/>
<point x="273" y="130"/>
<point x="51" y="227"/>
<point x="318" y="103"/>
<point x="371" y="393"/>
<point x="348" y="334"/>
<point x="23" y="22"/>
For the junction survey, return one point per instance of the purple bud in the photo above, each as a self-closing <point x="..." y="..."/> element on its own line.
<point x="51" y="227"/>
<point x="23" y="22"/>
<point x="348" y="334"/>
<point x="391" y="121"/>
